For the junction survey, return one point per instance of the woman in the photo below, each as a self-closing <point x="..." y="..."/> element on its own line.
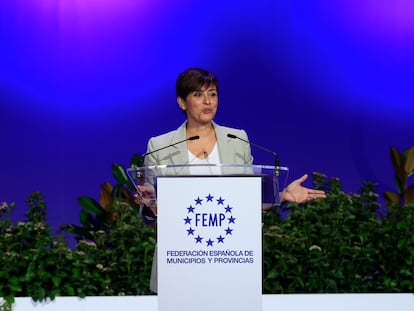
<point x="197" y="97"/>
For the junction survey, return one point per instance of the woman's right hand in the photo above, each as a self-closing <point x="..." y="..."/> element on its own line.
<point x="147" y="197"/>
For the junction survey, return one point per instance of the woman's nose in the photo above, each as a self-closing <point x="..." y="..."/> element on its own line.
<point x="207" y="99"/>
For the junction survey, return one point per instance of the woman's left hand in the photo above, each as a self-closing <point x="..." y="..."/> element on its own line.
<point x="296" y="193"/>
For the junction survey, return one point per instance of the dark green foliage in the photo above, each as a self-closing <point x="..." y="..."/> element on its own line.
<point x="345" y="243"/>
<point x="39" y="264"/>
<point x="339" y="245"/>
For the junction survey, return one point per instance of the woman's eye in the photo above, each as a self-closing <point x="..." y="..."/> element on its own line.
<point x="213" y="94"/>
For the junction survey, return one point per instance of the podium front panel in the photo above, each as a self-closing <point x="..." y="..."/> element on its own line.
<point x="209" y="243"/>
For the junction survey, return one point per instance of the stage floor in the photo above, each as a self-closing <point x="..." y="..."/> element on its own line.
<point x="291" y="302"/>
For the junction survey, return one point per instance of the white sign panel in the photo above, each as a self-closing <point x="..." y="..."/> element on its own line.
<point x="209" y="243"/>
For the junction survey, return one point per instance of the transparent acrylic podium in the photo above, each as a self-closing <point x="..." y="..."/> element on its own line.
<point x="273" y="178"/>
<point x="209" y="233"/>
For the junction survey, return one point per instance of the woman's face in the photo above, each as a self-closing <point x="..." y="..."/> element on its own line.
<point x="200" y="105"/>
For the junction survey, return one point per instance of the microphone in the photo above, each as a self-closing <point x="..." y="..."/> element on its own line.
<point x="276" y="157"/>
<point x="168" y="146"/>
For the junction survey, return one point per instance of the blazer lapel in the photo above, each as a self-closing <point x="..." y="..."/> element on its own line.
<point x="179" y="153"/>
<point x="223" y="145"/>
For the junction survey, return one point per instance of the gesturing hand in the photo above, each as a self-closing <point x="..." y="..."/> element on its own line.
<point x="147" y="197"/>
<point x="296" y="193"/>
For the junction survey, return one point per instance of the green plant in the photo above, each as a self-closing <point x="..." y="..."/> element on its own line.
<point x="101" y="216"/>
<point x="5" y="306"/>
<point x="343" y="243"/>
<point x="31" y="254"/>
<point x="113" y="239"/>
<point x="37" y="263"/>
<point x="339" y="244"/>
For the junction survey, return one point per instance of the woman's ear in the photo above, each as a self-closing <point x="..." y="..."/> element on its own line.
<point x="181" y="104"/>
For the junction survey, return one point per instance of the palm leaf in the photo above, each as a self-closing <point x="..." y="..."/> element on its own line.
<point x="121" y="176"/>
<point x="409" y="161"/>
<point x="392" y="197"/>
<point x="398" y="164"/>
<point x="90" y="205"/>
<point x="409" y="195"/>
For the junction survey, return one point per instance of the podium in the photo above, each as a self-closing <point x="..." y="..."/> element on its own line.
<point x="209" y="237"/>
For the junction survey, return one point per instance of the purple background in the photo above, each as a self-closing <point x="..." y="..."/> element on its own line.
<point x="84" y="84"/>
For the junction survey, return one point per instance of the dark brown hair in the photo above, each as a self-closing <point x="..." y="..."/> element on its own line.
<point x="194" y="79"/>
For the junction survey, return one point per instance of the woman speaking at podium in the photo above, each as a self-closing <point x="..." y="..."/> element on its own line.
<point x="199" y="140"/>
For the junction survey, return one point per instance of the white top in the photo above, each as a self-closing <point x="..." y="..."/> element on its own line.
<point x="213" y="158"/>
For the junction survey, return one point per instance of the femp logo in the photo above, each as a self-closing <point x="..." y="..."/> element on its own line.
<point x="209" y="220"/>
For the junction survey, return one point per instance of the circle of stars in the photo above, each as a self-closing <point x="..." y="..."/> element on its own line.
<point x="200" y="239"/>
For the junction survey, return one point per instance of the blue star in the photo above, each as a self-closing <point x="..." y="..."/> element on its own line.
<point x="190" y="209"/>
<point x="231" y="220"/>
<point x="228" y="230"/>
<point x="198" y="201"/>
<point x="220" y="201"/>
<point x="198" y="239"/>
<point x="220" y="239"/>
<point x="190" y="231"/>
<point x="187" y="220"/>
<point x="209" y="242"/>
<point x="209" y="198"/>
<point x="228" y="209"/>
